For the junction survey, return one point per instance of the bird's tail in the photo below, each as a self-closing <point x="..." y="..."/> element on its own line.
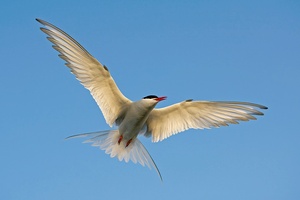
<point x="108" y="141"/>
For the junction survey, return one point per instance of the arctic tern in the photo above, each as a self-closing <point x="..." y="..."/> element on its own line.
<point x="139" y="117"/>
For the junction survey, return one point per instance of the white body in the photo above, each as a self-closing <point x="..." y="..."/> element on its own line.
<point x="135" y="117"/>
<point x="140" y="117"/>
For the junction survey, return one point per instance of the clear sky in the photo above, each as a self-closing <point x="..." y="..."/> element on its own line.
<point x="202" y="50"/>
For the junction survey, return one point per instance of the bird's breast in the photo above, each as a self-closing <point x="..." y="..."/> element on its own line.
<point x="134" y="121"/>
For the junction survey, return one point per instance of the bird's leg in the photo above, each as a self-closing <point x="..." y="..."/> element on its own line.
<point x="128" y="143"/>
<point x="120" y="139"/>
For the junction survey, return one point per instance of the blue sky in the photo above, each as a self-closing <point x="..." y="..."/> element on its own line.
<point x="204" y="50"/>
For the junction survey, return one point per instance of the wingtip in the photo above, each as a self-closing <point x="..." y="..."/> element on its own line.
<point x="42" y="21"/>
<point x="265" y="107"/>
<point x="67" y="137"/>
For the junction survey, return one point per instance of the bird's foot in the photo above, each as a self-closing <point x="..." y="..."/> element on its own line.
<point x="120" y="139"/>
<point x="128" y="143"/>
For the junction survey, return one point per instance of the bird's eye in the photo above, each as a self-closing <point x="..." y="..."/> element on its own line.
<point x="150" y="97"/>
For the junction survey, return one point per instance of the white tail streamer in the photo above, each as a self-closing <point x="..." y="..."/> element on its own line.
<point x="108" y="141"/>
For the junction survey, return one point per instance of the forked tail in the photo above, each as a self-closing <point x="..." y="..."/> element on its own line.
<point x="108" y="141"/>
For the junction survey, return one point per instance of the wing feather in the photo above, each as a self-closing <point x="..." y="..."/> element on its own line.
<point x="164" y="122"/>
<point x="91" y="73"/>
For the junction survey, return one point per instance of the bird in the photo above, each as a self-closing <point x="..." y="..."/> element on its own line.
<point x="134" y="118"/>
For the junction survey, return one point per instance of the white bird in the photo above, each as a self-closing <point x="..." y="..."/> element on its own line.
<point x="139" y="117"/>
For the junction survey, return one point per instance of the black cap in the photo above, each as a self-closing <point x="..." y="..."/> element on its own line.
<point x="150" y="97"/>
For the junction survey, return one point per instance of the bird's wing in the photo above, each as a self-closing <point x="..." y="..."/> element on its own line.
<point x="164" y="122"/>
<point x="91" y="73"/>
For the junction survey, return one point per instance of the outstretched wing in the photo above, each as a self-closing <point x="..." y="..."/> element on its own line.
<point x="91" y="73"/>
<point x="164" y="122"/>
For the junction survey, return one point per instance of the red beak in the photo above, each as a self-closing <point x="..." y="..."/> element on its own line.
<point x="161" y="98"/>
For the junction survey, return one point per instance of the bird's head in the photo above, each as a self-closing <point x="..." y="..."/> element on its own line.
<point x="152" y="100"/>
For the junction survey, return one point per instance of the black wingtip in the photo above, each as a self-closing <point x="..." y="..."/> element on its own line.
<point x="263" y="107"/>
<point x="41" y="21"/>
